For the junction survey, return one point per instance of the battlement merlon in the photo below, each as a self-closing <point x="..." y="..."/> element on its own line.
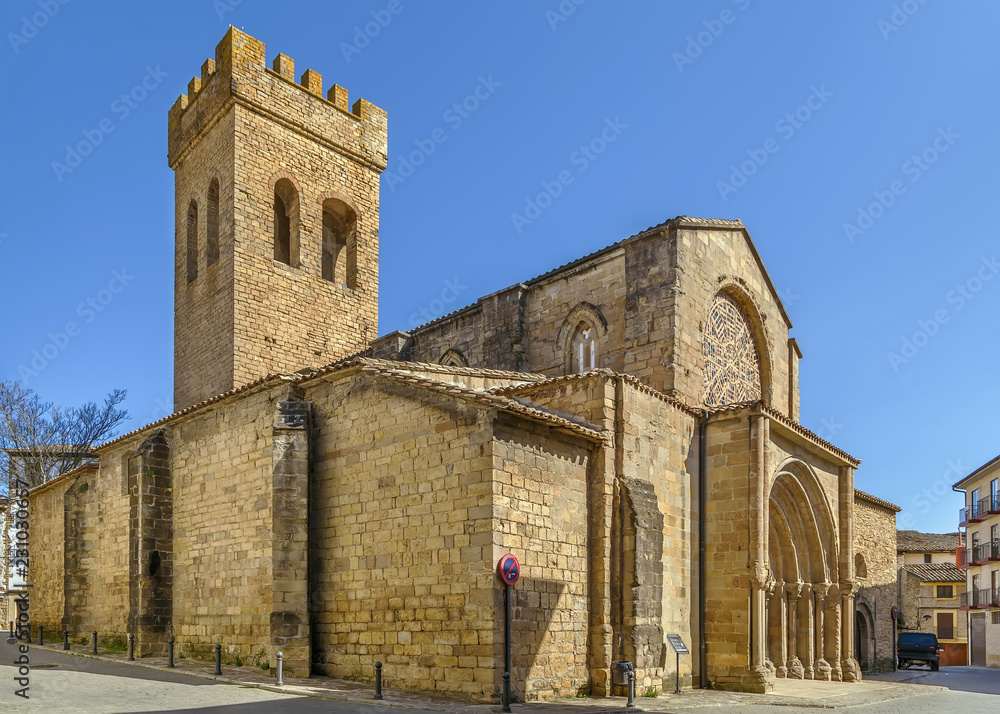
<point x="239" y="75"/>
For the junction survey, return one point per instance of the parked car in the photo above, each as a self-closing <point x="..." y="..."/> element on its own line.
<point x="918" y="648"/>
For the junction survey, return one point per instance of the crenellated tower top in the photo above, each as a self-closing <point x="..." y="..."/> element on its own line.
<point x="239" y="74"/>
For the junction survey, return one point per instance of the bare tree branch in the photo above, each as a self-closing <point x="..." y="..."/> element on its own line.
<point x="41" y="441"/>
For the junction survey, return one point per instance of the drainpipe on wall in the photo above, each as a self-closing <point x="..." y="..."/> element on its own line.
<point x="702" y="491"/>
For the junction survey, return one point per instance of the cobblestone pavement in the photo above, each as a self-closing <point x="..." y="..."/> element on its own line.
<point x="63" y="677"/>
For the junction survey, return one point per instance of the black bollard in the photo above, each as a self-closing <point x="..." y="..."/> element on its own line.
<point x="65" y="639"/>
<point x="218" y="659"/>
<point x="506" y="692"/>
<point x="95" y="641"/>
<point x="41" y="635"/>
<point x="170" y="652"/>
<point x="131" y="647"/>
<point x="631" y="690"/>
<point x="378" y="680"/>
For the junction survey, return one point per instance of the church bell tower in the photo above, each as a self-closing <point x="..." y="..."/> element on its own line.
<point x="276" y="241"/>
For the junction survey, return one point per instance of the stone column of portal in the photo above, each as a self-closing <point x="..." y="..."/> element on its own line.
<point x="807" y="631"/>
<point x="849" y="663"/>
<point x="794" y="591"/>
<point x="821" y="668"/>
<point x="833" y="626"/>
<point x="760" y="578"/>
<point x="779" y="639"/>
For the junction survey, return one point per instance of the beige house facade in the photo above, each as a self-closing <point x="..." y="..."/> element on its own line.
<point x="980" y="561"/>
<point x="626" y="425"/>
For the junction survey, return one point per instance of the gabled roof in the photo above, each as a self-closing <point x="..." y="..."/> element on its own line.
<point x="917" y="542"/>
<point x="936" y="572"/>
<point x="677" y="222"/>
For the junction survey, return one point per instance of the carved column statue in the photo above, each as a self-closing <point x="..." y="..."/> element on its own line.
<point x="807" y="624"/>
<point x="832" y="635"/>
<point x="821" y="668"/>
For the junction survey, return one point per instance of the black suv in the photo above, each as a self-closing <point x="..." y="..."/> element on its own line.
<point x="917" y="648"/>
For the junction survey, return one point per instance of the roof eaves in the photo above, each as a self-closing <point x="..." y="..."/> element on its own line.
<point x="978" y="472"/>
<point x="875" y="501"/>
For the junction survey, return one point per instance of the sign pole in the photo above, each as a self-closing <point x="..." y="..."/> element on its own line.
<point x="506" y="649"/>
<point x="509" y="571"/>
<point x="677" y="685"/>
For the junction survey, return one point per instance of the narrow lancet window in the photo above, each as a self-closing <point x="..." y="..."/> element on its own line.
<point x="192" y="242"/>
<point x="212" y="223"/>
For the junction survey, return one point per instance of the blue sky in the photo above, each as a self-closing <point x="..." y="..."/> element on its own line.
<point x="857" y="141"/>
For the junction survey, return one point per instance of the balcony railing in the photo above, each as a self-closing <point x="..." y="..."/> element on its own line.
<point x="985" y="552"/>
<point x="990" y="505"/>
<point x="987" y="597"/>
<point x="978" y="511"/>
<point x="961" y="558"/>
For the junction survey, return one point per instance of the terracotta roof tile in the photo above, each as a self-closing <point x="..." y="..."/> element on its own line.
<point x="917" y="542"/>
<point x="936" y="572"/>
<point x="860" y="495"/>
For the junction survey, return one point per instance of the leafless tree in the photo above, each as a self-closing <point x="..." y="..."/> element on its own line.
<point x="40" y="441"/>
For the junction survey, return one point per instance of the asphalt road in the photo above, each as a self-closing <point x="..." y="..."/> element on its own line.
<point x="65" y="683"/>
<point x="982" y="680"/>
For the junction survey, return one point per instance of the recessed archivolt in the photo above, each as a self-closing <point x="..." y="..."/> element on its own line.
<point x="804" y="519"/>
<point x="781" y="547"/>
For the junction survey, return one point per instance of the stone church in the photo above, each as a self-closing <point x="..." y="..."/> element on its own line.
<point x="627" y="425"/>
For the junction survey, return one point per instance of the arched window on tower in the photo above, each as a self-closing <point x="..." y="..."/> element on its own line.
<point x="286" y="223"/>
<point x="584" y="348"/>
<point x="212" y="223"/>
<point x="339" y="243"/>
<point x="732" y="366"/>
<point x="192" y="241"/>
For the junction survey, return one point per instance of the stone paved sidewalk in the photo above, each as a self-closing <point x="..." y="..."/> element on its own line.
<point x="826" y="695"/>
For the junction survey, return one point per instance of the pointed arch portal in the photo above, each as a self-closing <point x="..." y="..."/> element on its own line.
<point x="804" y="604"/>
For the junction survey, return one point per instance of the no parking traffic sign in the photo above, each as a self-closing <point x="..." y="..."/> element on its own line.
<point x="509" y="569"/>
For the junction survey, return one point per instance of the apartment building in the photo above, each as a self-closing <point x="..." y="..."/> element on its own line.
<point x="980" y="560"/>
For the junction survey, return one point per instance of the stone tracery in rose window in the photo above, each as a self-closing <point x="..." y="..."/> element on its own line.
<point x="732" y="365"/>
